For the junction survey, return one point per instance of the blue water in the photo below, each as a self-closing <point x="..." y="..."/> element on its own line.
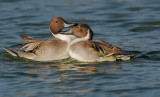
<point x="129" y="24"/>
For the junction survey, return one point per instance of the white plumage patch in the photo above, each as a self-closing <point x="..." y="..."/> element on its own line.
<point x="68" y="38"/>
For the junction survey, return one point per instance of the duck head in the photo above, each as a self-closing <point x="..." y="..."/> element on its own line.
<point x="82" y="30"/>
<point x="57" y="24"/>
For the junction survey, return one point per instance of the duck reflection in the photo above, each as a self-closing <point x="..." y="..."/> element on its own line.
<point x="50" y="73"/>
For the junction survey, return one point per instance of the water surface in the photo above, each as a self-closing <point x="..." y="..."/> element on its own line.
<point x="128" y="24"/>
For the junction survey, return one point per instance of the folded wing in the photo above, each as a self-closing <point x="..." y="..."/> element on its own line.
<point x="30" y="43"/>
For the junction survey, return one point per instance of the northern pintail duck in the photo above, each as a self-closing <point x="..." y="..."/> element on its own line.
<point x="46" y="50"/>
<point x="88" y="50"/>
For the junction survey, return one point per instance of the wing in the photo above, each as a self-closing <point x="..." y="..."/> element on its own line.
<point x="102" y="42"/>
<point x="109" y="48"/>
<point x="101" y="47"/>
<point x="27" y="38"/>
<point x="31" y="46"/>
<point x="31" y="43"/>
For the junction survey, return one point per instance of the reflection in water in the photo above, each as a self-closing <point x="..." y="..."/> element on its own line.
<point x="59" y="72"/>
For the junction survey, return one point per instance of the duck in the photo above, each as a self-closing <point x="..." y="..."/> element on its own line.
<point x="87" y="50"/>
<point x="55" y="48"/>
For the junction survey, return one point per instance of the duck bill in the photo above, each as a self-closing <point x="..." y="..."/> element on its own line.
<point x="69" y="32"/>
<point x="66" y="24"/>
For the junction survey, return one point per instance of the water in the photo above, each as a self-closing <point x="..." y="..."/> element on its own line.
<point x="128" y="24"/>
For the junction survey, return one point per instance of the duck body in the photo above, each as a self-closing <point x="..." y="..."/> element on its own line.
<point x="44" y="50"/>
<point x="87" y="50"/>
<point x="55" y="48"/>
<point x="82" y="52"/>
<point x="92" y="50"/>
<point x="52" y="49"/>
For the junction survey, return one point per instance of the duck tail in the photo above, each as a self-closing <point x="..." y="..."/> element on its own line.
<point x="12" y="52"/>
<point x="28" y="55"/>
<point x="123" y="57"/>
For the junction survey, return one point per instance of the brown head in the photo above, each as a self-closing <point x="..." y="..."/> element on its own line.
<point x="57" y="24"/>
<point x="81" y="30"/>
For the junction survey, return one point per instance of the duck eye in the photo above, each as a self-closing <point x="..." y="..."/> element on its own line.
<point x="56" y="21"/>
<point x="81" y="30"/>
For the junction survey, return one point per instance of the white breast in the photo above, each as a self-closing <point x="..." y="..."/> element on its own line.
<point x="68" y="38"/>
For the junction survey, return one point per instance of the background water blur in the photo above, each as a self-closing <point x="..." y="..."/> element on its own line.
<point x="128" y="24"/>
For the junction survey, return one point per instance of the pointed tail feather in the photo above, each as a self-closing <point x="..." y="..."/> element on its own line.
<point x="12" y="52"/>
<point x="17" y="45"/>
<point x="123" y="57"/>
<point x="27" y="55"/>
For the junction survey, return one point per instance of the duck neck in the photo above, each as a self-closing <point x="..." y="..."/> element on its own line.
<point x="87" y="37"/>
<point x="53" y="32"/>
<point x="65" y="37"/>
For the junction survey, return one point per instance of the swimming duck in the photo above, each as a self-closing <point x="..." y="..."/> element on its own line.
<point x="46" y="50"/>
<point x="87" y="50"/>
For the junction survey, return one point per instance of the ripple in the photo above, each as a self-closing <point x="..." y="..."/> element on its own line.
<point x="84" y="12"/>
<point x="7" y="57"/>
<point x="15" y="17"/>
<point x="8" y="76"/>
<point x="118" y="15"/>
<point x="32" y="24"/>
<point x="135" y="8"/>
<point x="10" y="1"/>
<point x="153" y="55"/>
<point x="136" y="89"/>
<point x="24" y="74"/>
<point x="150" y="23"/>
<point x="154" y="52"/>
<point x="144" y="29"/>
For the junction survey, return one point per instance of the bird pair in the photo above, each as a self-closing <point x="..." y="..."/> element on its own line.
<point x="76" y="43"/>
